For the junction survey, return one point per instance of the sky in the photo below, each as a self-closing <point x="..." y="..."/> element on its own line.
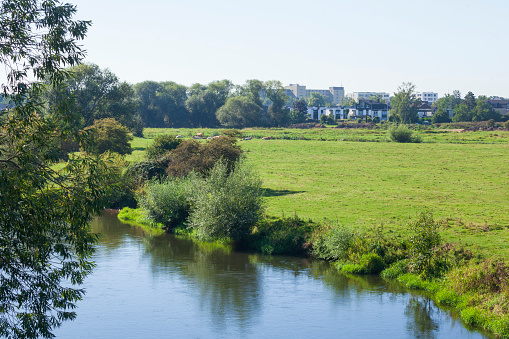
<point x="369" y="45"/>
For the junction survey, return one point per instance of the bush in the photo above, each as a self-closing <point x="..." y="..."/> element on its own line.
<point x="162" y="145"/>
<point x="108" y="135"/>
<point x="376" y="120"/>
<point x="201" y="158"/>
<point x="168" y="202"/>
<point x="423" y="247"/>
<point x="395" y="270"/>
<point x="226" y="205"/>
<point x="369" y="263"/>
<point x="281" y="236"/>
<point x="506" y="124"/>
<point x="336" y="243"/>
<point x="401" y="133"/>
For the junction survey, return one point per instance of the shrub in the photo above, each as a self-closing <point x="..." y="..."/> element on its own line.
<point x="201" y="158"/>
<point x="168" y="202"/>
<point x="376" y="120"/>
<point x="336" y="243"/>
<point x="162" y="144"/>
<point x="281" y="235"/>
<point x="108" y="135"/>
<point x="506" y="124"/>
<point x="401" y="133"/>
<point x="369" y="263"/>
<point x="423" y="247"/>
<point x="395" y="270"/>
<point x="490" y="123"/>
<point x="227" y="204"/>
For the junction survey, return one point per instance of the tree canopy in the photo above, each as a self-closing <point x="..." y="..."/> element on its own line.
<point x="45" y="240"/>
<point x="405" y="104"/>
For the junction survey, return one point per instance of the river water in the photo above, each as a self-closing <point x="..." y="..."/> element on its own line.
<point x="147" y="286"/>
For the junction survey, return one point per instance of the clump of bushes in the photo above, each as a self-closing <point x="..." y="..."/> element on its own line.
<point x="167" y="202"/>
<point x="191" y="155"/>
<point x="107" y="135"/>
<point x="226" y="204"/>
<point x="288" y="235"/>
<point x="223" y="205"/>
<point x="401" y="133"/>
<point x="424" y="246"/>
<point x="162" y="145"/>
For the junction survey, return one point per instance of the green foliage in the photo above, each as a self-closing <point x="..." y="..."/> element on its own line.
<point x="423" y="247"/>
<point x="226" y="204"/>
<point x="239" y="111"/>
<point x="278" y="114"/>
<point x="395" y="270"/>
<point x="506" y="124"/>
<point x="45" y="239"/>
<point x="281" y="236"/>
<point x="337" y="242"/>
<point x="317" y="100"/>
<point x="191" y="155"/>
<point x="440" y="116"/>
<point x="401" y="133"/>
<point x="327" y="119"/>
<point x="109" y="135"/>
<point x="376" y="120"/>
<point x="161" y="145"/>
<point x="168" y="202"/>
<point x="96" y="94"/>
<point x="405" y="104"/>
<point x="369" y="263"/>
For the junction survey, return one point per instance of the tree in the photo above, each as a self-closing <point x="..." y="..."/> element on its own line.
<point x="317" y="100"/>
<point x="484" y="111"/>
<point x="239" y="112"/>
<point x="278" y="113"/>
<point x="405" y="104"/>
<point x="45" y="240"/>
<point x="108" y="135"/>
<point x="440" y="116"/>
<point x="300" y="110"/>
<point x="96" y="94"/>
<point x="204" y="101"/>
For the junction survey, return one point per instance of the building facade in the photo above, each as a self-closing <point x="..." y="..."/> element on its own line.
<point x="368" y="95"/>
<point x="427" y="97"/>
<point x="334" y="94"/>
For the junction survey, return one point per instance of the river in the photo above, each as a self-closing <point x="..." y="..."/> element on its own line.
<point x="147" y="286"/>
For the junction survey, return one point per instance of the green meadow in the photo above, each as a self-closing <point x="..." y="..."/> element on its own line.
<point x="463" y="178"/>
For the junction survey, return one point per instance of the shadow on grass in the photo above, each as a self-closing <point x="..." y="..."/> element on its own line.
<point x="139" y="148"/>
<point x="268" y="192"/>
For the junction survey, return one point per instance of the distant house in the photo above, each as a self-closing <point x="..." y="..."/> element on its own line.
<point x="499" y="104"/>
<point x="336" y="112"/>
<point x="371" y="108"/>
<point x="425" y="110"/>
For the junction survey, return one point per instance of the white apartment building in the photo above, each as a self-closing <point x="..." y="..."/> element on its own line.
<point x="336" y="112"/>
<point x="428" y="97"/>
<point x="368" y="95"/>
<point x="334" y="94"/>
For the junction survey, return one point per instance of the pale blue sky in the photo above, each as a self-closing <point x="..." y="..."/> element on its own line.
<point x="370" y="45"/>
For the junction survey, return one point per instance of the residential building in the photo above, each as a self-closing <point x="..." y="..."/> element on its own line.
<point x="369" y="95"/>
<point x="333" y="94"/>
<point x="427" y="97"/>
<point x="425" y="110"/>
<point x="336" y="112"/>
<point x="499" y="104"/>
<point x="371" y="108"/>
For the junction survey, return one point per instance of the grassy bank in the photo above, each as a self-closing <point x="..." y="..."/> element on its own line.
<point x="376" y="189"/>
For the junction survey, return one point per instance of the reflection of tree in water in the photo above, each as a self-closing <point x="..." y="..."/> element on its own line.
<point x="419" y="318"/>
<point x="228" y="284"/>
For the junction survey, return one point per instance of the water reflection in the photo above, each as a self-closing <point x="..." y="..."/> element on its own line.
<point x="216" y="292"/>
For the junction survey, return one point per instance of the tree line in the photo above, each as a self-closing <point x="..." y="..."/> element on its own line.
<point x="94" y="93"/>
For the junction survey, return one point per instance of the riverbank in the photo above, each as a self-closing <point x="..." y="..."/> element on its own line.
<point x="475" y="287"/>
<point x="370" y="193"/>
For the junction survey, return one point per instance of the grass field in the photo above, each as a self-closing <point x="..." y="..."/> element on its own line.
<point x="365" y="184"/>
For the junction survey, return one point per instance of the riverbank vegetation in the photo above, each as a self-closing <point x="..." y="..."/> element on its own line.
<point x="320" y="200"/>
